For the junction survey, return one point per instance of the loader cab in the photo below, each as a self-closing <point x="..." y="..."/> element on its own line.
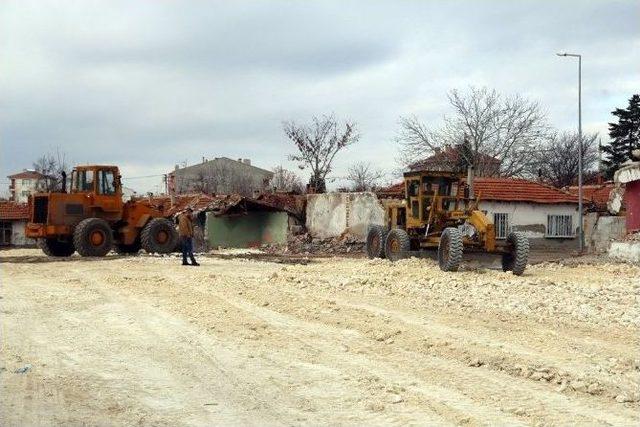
<point x="101" y="189"/>
<point x="97" y="180"/>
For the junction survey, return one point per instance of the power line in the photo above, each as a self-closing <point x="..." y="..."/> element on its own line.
<point x="145" y="176"/>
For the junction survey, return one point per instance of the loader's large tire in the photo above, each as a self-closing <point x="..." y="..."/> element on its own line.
<point x="93" y="237"/>
<point x="450" y="249"/>
<point x="159" y="236"/>
<point x="397" y="245"/>
<point x="374" y="245"/>
<point x="133" y="248"/>
<point x="53" y="247"/>
<point x="516" y="259"/>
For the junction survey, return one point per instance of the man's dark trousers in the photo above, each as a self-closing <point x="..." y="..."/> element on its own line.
<point x="187" y="250"/>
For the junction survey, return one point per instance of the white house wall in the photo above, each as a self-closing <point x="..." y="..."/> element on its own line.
<point x="17" y="234"/>
<point x="531" y="218"/>
<point x="21" y="192"/>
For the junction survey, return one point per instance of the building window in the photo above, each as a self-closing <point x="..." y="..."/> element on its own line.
<point x="26" y="182"/>
<point x="501" y="223"/>
<point x="559" y="226"/>
<point x="5" y="233"/>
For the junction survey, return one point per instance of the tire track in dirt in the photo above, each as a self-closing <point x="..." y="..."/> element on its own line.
<point x="336" y="342"/>
<point x="536" y="398"/>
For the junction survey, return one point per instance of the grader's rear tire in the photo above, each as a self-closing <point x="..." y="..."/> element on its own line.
<point x="159" y="236"/>
<point x="516" y="260"/>
<point x="397" y="245"/>
<point x="450" y="249"/>
<point x="93" y="237"/>
<point x="53" y="247"/>
<point x="375" y="241"/>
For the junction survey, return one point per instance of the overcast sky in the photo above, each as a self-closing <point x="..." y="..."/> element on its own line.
<point x="149" y="84"/>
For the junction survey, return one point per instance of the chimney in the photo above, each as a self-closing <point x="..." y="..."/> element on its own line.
<point x="177" y="167"/>
<point x="203" y="159"/>
<point x="247" y="162"/>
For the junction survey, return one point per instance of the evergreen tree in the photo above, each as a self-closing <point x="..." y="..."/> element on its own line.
<point x="625" y="136"/>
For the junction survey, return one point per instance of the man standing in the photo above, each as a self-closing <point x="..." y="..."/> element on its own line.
<point x="185" y="230"/>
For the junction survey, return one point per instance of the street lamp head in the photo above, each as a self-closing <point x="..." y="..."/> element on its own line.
<point x="561" y="53"/>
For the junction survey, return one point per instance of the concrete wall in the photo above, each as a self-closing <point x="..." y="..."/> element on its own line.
<point x="17" y="234"/>
<point x="331" y="214"/>
<point x="244" y="231"/>
<point x="625" y="251"/>
<point x="600" y="231"/>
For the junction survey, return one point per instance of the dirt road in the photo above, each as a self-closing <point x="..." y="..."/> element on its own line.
<point x="145" y="341"/>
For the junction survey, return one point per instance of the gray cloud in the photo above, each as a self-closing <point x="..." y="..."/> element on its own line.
<point x="150" y="84"/>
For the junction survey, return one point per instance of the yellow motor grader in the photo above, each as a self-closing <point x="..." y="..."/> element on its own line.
<point x="437" y="212"/>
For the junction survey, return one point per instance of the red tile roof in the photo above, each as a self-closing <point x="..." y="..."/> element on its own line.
<point x="26" y="175"/>
<point x="13" y="211"/>
<point x="504" y="190"/>
<point x="596" y="195"/>
<point x="520" y="190"/>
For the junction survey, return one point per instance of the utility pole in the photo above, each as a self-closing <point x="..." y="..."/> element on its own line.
<point x="580" y="210"/>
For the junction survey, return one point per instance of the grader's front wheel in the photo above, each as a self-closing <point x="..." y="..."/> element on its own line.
<point x="397" y="244"/>
<point x="450" y="249"/>
<point x="516" y="259"/>
<point x="375" y="241"/>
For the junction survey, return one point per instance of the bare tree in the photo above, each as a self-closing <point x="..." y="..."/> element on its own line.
<point x="51" y="165"/>
<point x="484" y="126"/>
<point x="285" y="180"/>
<point x="556" y="161"/>
<point x="317" y="144"/>
<point x="363" y="176"/>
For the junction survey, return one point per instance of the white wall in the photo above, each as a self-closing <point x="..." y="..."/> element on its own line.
<point x="28" y="188"/>
<point x="625" y="251"/>
<point x="530" y="218"/>
<point x="601" y="230"/>
<point x="331" y="214"/>
<point x="17" y="234"/>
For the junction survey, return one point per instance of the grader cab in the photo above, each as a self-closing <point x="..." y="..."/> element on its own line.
<point x="437" y="212"/>
<point x="92" y="218"/>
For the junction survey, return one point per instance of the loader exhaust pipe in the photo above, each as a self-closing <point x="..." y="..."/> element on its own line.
<point x="64" y="181"/>
<point x="470" y="178"/>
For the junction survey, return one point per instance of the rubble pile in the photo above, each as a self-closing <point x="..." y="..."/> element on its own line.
<point x="633" y="237"/>
<point x="305" y="244"/>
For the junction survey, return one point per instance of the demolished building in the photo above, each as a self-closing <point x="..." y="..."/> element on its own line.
<point x="237" y="221"/>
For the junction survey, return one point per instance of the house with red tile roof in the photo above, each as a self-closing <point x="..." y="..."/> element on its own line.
<point x="13" y="219"/>
<point x="549" y="216"/>
<point x="595" y="196"/>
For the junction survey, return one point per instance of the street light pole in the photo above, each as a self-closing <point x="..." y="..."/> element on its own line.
<point x="580" y="212"/>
